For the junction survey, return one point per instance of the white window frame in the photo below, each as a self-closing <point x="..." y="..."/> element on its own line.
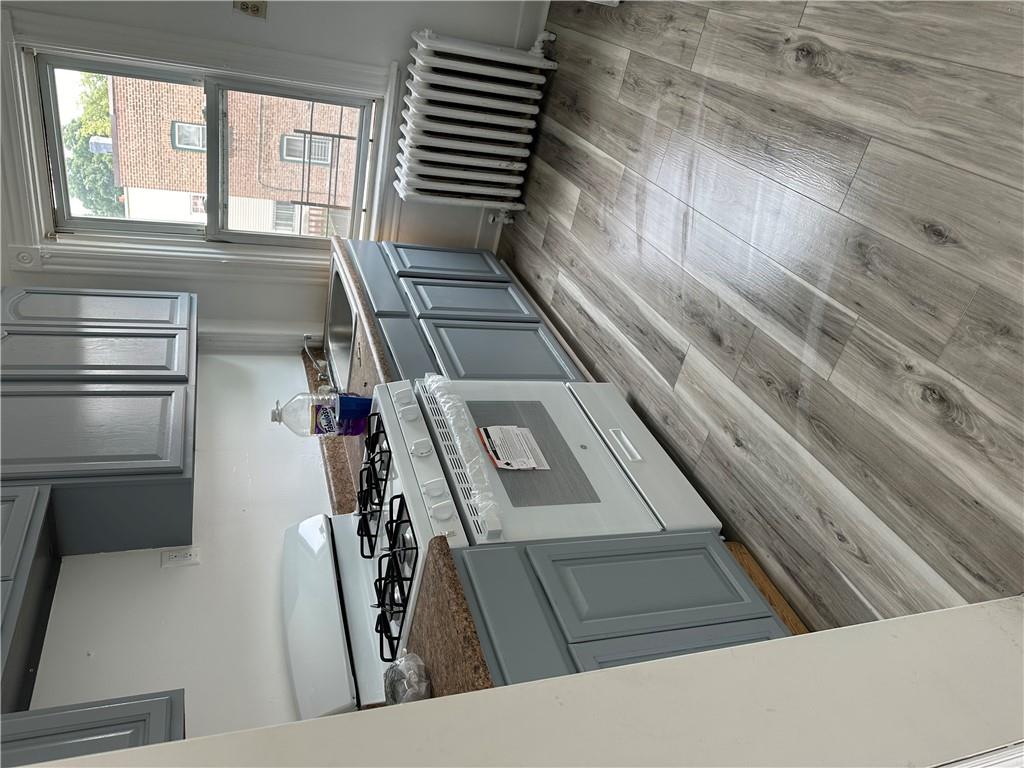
<point x="216" y="229"/>
<point x="307" y="144"/>
<point x="176" y="141"/>
<point x="217" y="177"/>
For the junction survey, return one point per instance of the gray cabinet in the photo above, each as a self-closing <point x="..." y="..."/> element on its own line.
<point x="457" y="263"/>
<point x="412" y="357"/>
<point x="30" y="567"/>
<point x="77" y="430"/>
<point x="554" y="608"/>
<point x="60" y="733"/>
<point x="632" y="585"/>
<point x="467" y="300"/>
<point x="16" y="508"/>
<point x="378" y="277"/>
<point x="478" y="349"/>
<point x="632" y="649"/>
<point x="75" y="307"/>
<point x="99" y="403"/>
<point x="94" y="354"/>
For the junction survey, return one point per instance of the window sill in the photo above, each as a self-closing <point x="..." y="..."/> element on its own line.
<point x="171" y="257"/>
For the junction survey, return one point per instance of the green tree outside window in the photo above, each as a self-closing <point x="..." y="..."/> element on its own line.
<point x="90" y="175"/>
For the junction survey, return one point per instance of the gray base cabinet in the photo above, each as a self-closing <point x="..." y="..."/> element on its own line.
<point x="99" y="403"/>
<point x="30" y="566"/>
<point x="452" y="311"/>
<point x="555" y="608"/>
<point x="60" y="733"/>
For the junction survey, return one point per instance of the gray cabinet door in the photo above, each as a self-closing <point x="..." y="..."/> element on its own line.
<point x="611" y="587"/>
<point x="478" y="349"/>
<point x="93" y="354"/>
<point x="467" y="300"/>
<point x="408" y="347"/>
<point x="76" y="430"/>
<point x="378" y="277"/>
<point x="59" y="733"/>
<point x="456" y="263"/>
<point x="16" y="507"/>
<point x="66" y="307"/>
<point x="616" y="651"/>
<point x="522" y="635"/>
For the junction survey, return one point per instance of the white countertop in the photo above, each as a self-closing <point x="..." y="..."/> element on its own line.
<point x="914" y="691"/>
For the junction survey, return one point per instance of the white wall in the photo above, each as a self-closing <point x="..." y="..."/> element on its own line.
<point x="365" y="32"/>
<point x="122" y="625"/>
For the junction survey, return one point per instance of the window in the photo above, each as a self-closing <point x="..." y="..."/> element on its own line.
<point x="222" y="177"/>
<point x="294" y="149"/>
<point x="191" y="136"/>
<point x="284" y="217"/>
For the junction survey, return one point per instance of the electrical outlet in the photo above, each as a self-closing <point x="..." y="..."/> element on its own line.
<point x="255" y="8"/>
<point x="172" y="558"/>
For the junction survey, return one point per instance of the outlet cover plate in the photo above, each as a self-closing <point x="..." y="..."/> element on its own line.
<point x="257" y="9"/>
<point x="175" y="558"/>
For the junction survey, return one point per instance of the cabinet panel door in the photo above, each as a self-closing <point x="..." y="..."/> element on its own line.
<point x="59" y="733"/>
<point x="66" y="306"/>
<point x="632" y="585"/>
<point x="16" y="506"/>
<point x="460" y="264"/>
<point x="632" y="649"/>
<point x="408" y="347"/>
<point x="467" y="300"/>
<point x="524" y="637"/>
<point x="75" y="430"/>
<point x="93" y="354"/>
<point x="375" y="268"/>
<point x="478" y="349"/>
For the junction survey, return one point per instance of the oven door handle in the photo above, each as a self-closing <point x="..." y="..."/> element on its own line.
<point x="629" y="451"/>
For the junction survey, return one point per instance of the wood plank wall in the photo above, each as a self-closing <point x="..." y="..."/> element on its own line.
<point x="792" y="233"/>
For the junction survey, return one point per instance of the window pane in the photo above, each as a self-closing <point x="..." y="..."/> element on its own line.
<point x="289" y="155"/>
<point x="132" y="147"/>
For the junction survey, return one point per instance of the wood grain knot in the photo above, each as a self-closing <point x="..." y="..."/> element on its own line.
<point x="938" y="233"/>
<point x="817" y="59"/>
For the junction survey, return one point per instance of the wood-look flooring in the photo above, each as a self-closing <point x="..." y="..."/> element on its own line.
<point x="793" y="234"/>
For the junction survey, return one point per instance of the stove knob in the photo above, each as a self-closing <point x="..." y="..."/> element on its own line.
<point x="421" y="447"/>
<point x="435" y="488"/>
<point x="409" y="412"/>
<point x="442" y="511"/>
<point x="403" y="396"/>
<point x="493" y="525"/>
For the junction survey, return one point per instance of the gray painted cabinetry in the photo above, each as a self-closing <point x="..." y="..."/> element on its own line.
<point x="456" y="312"/>
<point x="59" y="733"/>
<point x="99" y="403"/>
<point x="554" y="608"/>
<point x="29" y="566"/>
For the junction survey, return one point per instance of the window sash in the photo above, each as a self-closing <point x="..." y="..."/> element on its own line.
<point x="296" y="148"/>
<point x="215" y="229"/>
<point x="217" y="178"/>
<point x="180" y="138"/>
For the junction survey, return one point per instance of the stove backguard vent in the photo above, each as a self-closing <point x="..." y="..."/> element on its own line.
<point x="459" y="477"/>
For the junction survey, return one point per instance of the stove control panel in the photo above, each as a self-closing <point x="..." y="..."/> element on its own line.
<point x="429" y="477"/>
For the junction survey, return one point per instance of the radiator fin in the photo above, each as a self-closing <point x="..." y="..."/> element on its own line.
<point x="468" y="122"/>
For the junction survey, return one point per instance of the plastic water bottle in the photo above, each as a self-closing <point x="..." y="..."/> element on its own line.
<point x="323" y="413"/>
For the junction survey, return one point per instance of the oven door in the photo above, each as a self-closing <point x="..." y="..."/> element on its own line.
<point x="584" y="493"/>
<point x="314" y="621"/>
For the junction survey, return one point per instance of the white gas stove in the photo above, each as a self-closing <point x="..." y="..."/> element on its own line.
<point x="434" y="465"/>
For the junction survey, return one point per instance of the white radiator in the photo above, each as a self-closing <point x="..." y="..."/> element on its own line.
<point x="468" y="122"/>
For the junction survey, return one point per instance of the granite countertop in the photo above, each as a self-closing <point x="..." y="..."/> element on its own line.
<point x="362" y="310"/>
<point x="443" y="632"/>
<point x="340" y="489"/>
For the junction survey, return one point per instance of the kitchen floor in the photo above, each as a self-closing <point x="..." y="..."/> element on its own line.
<point x="792" y="233"/>
<point x="123" y="625"/>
